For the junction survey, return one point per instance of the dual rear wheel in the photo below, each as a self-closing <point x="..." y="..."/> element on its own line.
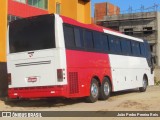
<point x="103" y="91"/>
<point x="99" y="92"/>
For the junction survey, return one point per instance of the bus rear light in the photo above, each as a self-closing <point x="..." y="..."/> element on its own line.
<point x="9" y="78"/>
<point x="60" y="75"/>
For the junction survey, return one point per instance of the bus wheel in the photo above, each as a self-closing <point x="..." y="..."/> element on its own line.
<point x="105" y="89"/>
<point x="94" y="91"/>
<point x="145" y="84"/>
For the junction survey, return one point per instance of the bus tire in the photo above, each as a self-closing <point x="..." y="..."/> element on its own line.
<point x="145" y="84"/>
<point x="94" y="91"/>
<point x="105" y="89"/>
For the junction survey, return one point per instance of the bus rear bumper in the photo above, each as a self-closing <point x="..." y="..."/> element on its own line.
<point x="37" y="92"/>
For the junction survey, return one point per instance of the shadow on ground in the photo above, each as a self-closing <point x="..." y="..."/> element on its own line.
<point x="55" y="102"/>
<point x="125" y="92"/>
<point x="48" y="102"/>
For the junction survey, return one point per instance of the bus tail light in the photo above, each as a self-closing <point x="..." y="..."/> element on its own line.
<point x="9" y="78"/>
<point x="60" y="75"/>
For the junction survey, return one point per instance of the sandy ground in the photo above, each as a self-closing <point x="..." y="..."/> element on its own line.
<point x="121" y="101"/>
<point x="131" y="100"/>
<point x="157" y="73"/>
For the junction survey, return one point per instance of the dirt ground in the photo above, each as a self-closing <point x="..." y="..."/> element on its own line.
<point x="131" y="100"/>
<point x="157" y="76"/>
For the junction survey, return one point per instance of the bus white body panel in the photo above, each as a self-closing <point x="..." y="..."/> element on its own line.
<point x="128" y="71"/>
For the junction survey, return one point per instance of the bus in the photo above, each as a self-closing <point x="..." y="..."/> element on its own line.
<point x="55" y="56"/>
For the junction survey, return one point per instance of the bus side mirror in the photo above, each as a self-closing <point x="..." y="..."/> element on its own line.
<point x="153" y="59"/>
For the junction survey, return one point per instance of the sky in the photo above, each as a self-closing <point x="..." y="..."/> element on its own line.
<point x="132" y="4"/>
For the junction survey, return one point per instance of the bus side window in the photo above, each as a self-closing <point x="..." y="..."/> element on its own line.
<point x="97" y="41"/>
<point x="100" y="42"/>
<point x="69" y="36"/>
<point x="78" y="32"/>
<point x="143" y="51"/>
<point x="126" y="47"/>
<point x="88" y="39"/>
<point x="135" y="48"/>
<point x="114" y="44"/>
<point x="105" y="44"/>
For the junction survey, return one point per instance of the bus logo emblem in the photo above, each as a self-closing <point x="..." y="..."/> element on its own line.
<point x="30" y="54"/>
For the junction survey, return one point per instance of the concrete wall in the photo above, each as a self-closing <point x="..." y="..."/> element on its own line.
<point x="158" y="39"/>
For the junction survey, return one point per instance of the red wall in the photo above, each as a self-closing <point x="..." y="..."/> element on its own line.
<point x="23" y="10"/>
<point x="104" y="9"/>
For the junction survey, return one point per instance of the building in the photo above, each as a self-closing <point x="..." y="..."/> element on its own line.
<point x="105" y="9"/>
<point x="79" y="10"/>
<point x="143" y="25"/>
<point x="20" y="9"/>
<point x="16" y="9"/>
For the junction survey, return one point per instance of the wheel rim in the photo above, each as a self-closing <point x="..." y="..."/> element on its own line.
<point x="144" y="83"/>
<point x="106" y="88"/>
<point x="94" y="90"/>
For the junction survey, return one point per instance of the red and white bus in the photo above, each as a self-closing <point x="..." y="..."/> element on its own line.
<point x="55" y="56"/>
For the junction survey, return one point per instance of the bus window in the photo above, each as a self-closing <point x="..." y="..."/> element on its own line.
<point x="36" y="33"/>
<point x="105" y="45"/>
<point x="88" y="39"/>
<point x="69" y="36"/>
<point x="143" y="51"/>
<point x="126" y="47"/>
<point x="100" y="42"/>
<point x="97" y="41"/>
<point x="78" y="32"/>
<point x="114" y="44"/>
<point x="135" y="48"/>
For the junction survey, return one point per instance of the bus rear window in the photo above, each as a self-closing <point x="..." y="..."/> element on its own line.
<point x="30" y="34"/>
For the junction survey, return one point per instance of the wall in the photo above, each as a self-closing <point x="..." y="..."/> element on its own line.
<point x="23" y="10"/>
<point x="158" y="39"/>
<point x="81" y="11"/>
<point x="75" y="9"/>
<point x="100" y="11"/>
<point x="87" y="11"/>
<point x="3" y="29"/>
<point x="69" y="8"/>
<point x="105" y="9"/>
<point x="112" y="9"/>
